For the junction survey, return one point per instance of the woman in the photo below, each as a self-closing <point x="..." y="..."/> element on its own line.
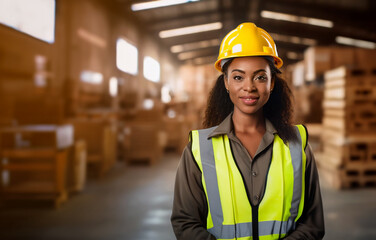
<point x="250" y="174"/>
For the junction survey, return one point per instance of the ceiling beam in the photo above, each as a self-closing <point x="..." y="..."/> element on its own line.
<point x="320" y="10"/>
<point x="324" y="36"/>
<point x="352" y="22"/>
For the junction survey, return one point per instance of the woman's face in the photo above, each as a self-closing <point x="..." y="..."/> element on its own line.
<point x="249" y="82"/>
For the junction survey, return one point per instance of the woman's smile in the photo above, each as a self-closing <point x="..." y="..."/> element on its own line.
<point x="249" y="100"/>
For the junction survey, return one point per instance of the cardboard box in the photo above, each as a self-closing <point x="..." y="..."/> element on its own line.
<point x="317" y="61"/>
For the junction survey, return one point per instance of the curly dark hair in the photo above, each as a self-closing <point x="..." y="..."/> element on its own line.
<point x="278" y="109"/>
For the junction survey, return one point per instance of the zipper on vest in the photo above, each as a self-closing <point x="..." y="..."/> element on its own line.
<point x="255" y="229"/>
<point x="255" y="211"/>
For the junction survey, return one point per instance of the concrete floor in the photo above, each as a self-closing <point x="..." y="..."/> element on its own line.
<point x="134" y="203"/>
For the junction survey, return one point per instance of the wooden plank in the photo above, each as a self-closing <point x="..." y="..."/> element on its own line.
<point x="77" y="161"/>
<point x="345" y="72"/>
<point x="337" y="104"/>
<point x="28" y="153"/>
<point x="27" y="167"/>
<point x="357" y="124"/>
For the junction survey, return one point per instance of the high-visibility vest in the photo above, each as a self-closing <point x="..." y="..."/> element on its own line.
<point x="230" y="213"/>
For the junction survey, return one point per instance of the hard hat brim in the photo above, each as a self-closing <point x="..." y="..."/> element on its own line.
<point x="277" y="60"/>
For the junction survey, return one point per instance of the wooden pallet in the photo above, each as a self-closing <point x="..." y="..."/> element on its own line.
<point x="100" y="138"/>
<point x="348" y="177"/>
<point x="357" y="75"/>
<point x="347" y="156"/>
<point x="34" y="173"/>
<point x="347" y="88"/>
<point x="356" y="149"/>
<point x="351" y="126"/>
<point x="141" y="142"/>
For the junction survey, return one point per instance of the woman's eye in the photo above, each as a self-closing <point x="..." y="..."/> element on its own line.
<point x="261" y="77"/>
<point x="238" y="78"/>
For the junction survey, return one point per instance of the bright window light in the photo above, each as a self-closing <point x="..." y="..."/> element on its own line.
<point x="190" y="30"/>
<point x="152" y="69"/>
<point x="126" y="57"/>
<point x="91" y="77"/>
<point x="165" y="94"/>
<point x="298" y="19"/>
<point x="148" y="104"/>
<point x="157" y="4"/>
<point x="355" y="42"/>
<point x="36" y="18"/>
<point x="113" y="86"/>
<point x="195" y="45"/>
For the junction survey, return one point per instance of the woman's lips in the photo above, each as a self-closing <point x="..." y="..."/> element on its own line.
<point x="249" y="100"/>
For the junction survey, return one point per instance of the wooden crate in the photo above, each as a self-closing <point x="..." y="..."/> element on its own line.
<point x="141" y="142"/>
<point x="76" y="169"/>
<point x="35" y="168"/>
<point x="308" y="104"/>
<point x="317" y="61"/>
<point x="365" y="58"/>
<point x="100" y="138"/>
<point x="143" y="135"/>
<point x="320" y="59"/>
<point x="39" y="110"/>
<point x="177" y="130"/>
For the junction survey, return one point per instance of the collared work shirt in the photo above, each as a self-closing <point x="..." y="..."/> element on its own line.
<point x="190" y="209"/>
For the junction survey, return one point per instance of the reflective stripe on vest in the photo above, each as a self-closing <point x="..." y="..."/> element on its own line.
<point x="229" y="211"/>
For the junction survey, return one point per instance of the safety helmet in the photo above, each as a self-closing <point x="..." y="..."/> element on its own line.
<point x="247" y="40"/>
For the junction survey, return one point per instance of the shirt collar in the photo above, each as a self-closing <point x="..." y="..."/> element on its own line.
<point x="227" y="127"/>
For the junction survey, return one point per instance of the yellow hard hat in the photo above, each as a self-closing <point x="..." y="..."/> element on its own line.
<point x="247" y="40"/>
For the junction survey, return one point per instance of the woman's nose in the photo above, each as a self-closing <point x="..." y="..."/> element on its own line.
<point x="248" y="85"/>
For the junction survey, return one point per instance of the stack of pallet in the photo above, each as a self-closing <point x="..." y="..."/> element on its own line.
<point x="349" y="128"/>
<point x="100" y="139"/>
<point x="142" y="136"/>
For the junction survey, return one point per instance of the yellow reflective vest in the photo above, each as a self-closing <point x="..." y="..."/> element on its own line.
<point x="230" y="213"/>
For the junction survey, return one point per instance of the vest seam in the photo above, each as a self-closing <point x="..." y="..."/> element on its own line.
<point x="255" y="222"/>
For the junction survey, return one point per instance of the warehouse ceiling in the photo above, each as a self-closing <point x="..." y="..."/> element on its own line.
<point x="294" y="24"/>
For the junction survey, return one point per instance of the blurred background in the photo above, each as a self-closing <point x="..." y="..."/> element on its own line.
<point x="97" y="99"/>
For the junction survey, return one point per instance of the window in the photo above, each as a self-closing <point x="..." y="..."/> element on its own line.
<point x="36" y="17"/>
<point x="126" y="57"/>
<point x="113" y="87"/>
<point x="152" y="69"/>
<point x="91" y="77"/>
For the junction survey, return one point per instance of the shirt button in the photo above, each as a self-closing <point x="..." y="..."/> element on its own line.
<point x="254" y="174"/>
<point x="257" y="197"/>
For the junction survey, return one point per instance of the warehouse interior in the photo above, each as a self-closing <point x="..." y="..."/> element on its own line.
<point x="97" y="99"/>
